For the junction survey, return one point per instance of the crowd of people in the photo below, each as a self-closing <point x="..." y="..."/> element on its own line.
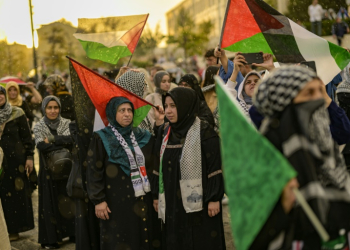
<point x="160" y="185"/>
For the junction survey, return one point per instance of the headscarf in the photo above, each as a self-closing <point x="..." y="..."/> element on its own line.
<point x="6" y="109"/>
<point x="187" y="105"/>
<point x="344" y="86"/>
<point x="115" y="151"/>
<point x="191" y="80"/>
<point x="18" y="100"/>
<point x="244" y="97"/>
<point x="280" y="87"/>
<point x="53" y="124"/>
<point x="204" y="111"/>
<point x="133" y="81"/>
<point x="158" y="80"/>
<point x="55" y="82"/>
<point x="210" y="72"/>
<point x="301" y="132"/>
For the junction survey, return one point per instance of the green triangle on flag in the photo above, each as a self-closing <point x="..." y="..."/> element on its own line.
<point x="101" y="90"/>
<point x="255" y="172"/>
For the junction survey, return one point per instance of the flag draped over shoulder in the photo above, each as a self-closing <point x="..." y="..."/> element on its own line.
<point x="111" y="38"/>
<point x="100" y="90"/>
<point x="255" y="172"/>
<point x="254" y="26"/>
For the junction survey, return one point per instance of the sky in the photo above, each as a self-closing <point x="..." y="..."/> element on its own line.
<point x="15" y="17"/>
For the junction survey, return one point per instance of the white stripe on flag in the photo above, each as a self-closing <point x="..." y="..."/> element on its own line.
<point x="98" y="123"/>
<point x="108" y="39"/>
<point x="315" y="48"/>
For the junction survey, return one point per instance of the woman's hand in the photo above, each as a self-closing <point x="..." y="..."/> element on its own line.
<point x="238" y="61"/>
<point x="122" y="71"/>
<point x="46" y="140"/>
<point x="268" y="62"/>
<point x="213" y="208"/>
<point x="29" y="166"/>
<point x="155" y="205"/>
<point x="159" y="115"/>
<point x="288" y="197"/>
<point x="102" y="210"/>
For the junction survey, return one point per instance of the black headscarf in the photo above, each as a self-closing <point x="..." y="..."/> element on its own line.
<point x="204" y="111"/>
<point x="53" y="124"/>
<point x="187" y="105"/>
<point x="210" y="72"/>
<point x="158" y="80"/>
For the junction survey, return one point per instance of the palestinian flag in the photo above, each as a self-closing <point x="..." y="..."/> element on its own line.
<point x="109" y="39"/>
<point x="254" y="178"/>
<point x="254" y="26"/>
<point x="101" y="90"/>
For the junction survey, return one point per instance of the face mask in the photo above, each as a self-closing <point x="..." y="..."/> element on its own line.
<point x="304" y="112"/>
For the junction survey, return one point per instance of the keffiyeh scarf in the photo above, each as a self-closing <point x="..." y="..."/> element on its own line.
<point x="42" y="131"/>
<point x="138" y="172"/>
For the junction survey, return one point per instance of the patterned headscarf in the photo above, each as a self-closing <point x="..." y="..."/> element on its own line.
<point x="18" y="100"/>
<point x="344" y="86"/>
<point x="279" y="88"/>
<point x="6" y="109"/>
<point x="133" y="81"/>
<point x="158" y="79"/>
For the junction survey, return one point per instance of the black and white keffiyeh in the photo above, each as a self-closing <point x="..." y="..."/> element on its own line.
<point x="133" y="82"/>
<point x="138" y="172"/>
<point x="42" y="131"/>
<point x="344" y="86"/>
<point x="5" y="113"/>
<point x="280" y="87"/>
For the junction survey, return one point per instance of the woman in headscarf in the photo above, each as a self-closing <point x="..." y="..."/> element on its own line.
<point x="246" y="88"/>
<point x="15" y="191"/>
<point x="208" y="87"/>
<point x="190" y="81"/>
<point x="162" y="81"/>
<point x="297" y="123"/>
<point x="56" y="218"/>
<point x="187" y="183"/>
<point x="134" y="81"/>
<point x="343" y="96"/>
<point x="56" y="86"/>
<point x="118" y="163"/>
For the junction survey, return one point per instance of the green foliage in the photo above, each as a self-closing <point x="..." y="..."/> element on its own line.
<point x="14" y="59"/>
<point x="273" y="3"/>
<point x="187" y="37"/>
<point x="149" y="40"/>
<point x="298" y="9"/>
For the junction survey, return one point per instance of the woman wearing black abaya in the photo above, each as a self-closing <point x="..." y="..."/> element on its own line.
<point x="15" y="192"/>
<point x="188" y="180"/>
<point x="117" y="181"/>
<point x="190" y="81"/>
<point x="56" y="219"/>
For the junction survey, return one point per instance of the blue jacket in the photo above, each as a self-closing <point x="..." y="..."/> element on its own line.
<point x="226" y="75"/>
<point x="340" y="124"/>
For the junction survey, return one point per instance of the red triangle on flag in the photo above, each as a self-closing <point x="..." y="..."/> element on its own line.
<point x="132" y="37"/>
<point x="101" y="90"/>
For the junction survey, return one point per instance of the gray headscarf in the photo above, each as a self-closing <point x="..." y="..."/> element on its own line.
<point x="53" y="124"/>
<point x="344" y="86"/>
<point x="280" y="87"/>
<point x="133" y="81"/>
<point x="6" y="109"/>
<point x="158" y="79"/>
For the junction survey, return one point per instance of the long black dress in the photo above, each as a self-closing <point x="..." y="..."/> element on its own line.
<point x="132" y="223"/>
<point x="15" y="192"/>
<point x="191" y="231"/>
<point x="56" y="215"/>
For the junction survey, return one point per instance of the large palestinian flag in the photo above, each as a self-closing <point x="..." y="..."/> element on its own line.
<point x="254" y="26"/>
<point x="109" y="39"/>
<point x="100" y="91"/>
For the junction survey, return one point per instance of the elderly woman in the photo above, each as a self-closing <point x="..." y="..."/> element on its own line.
<point x="162" y="82"/>
<point x="297" y="123"/>
<point x="187" y="183"/>
<point x="15" y="192"/>
<point x="56" y="220"/>
<point x="118" y="165"/>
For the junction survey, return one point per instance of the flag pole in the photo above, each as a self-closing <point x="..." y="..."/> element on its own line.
<point x="311" y="215"/>
<point x="138" y="40"/>
<point x="223" y="27"/>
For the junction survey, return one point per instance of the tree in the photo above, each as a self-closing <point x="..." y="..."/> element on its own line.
<point x="187" y="38"/>
<point x="273" y="3"/>
<point x="298" y="9"/>
<point x="149" y="40"/>
<point x="14" y="59"/>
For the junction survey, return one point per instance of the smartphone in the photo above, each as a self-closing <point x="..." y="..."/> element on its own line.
<point x="310" y="65"/>
<point x="253" y="57"/>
